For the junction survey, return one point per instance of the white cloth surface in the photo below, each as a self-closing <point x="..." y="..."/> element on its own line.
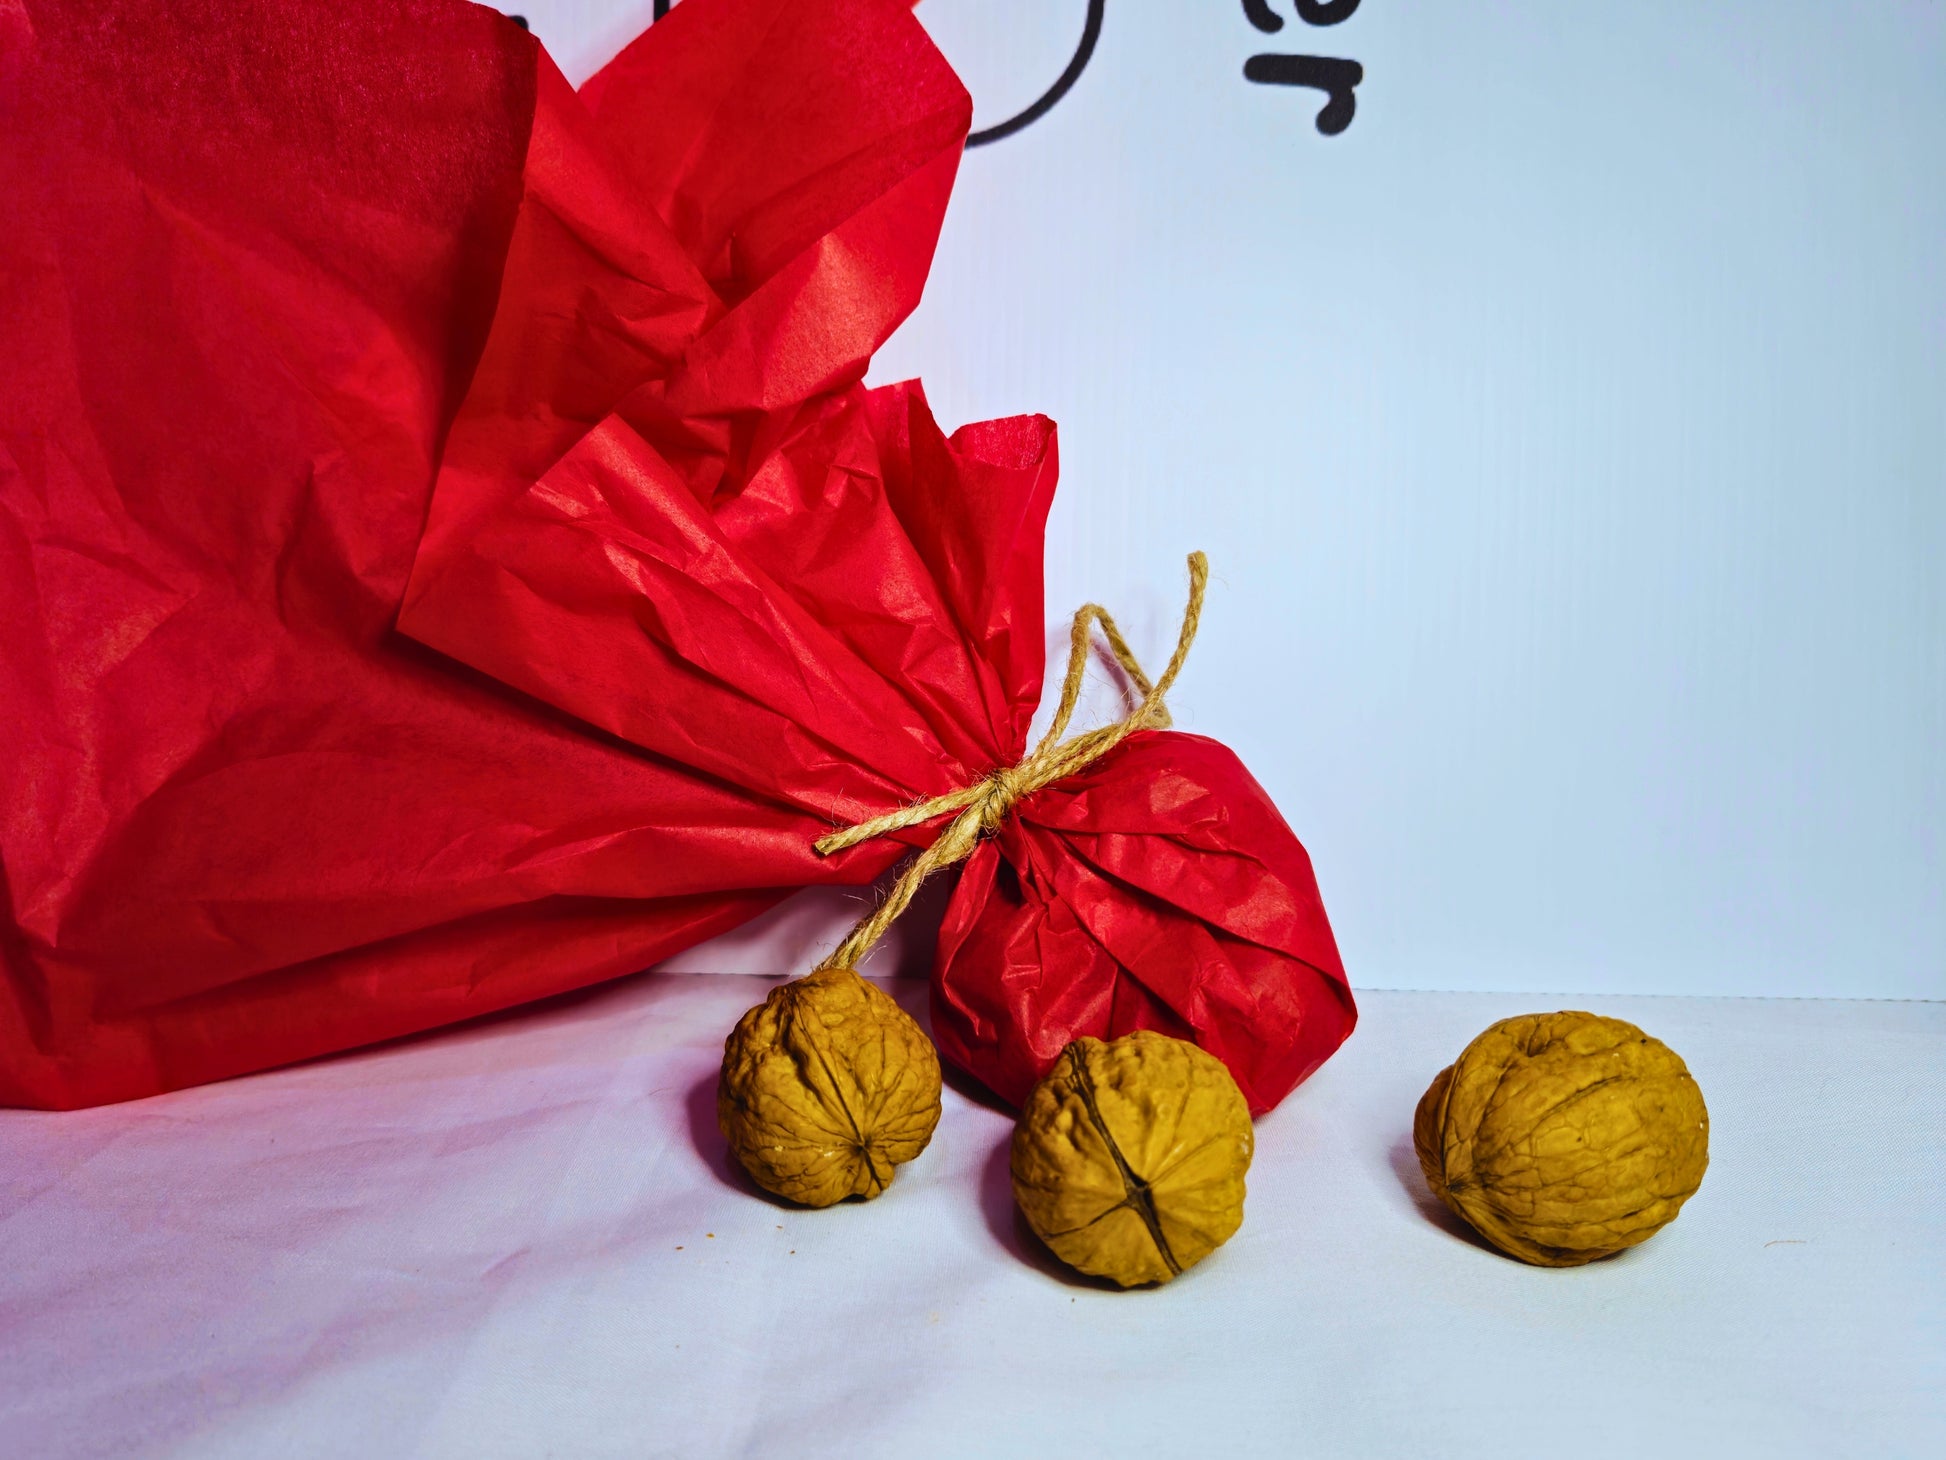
<point x="524" y="1239"/>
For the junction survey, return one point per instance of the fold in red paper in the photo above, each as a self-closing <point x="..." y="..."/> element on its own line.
<point x="344" y="328"/>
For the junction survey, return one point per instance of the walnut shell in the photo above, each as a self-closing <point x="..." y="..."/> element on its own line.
<point x="1128" y="1159"/>
<point x="1563" y="1138"/>
<point x="827" y="1086"/>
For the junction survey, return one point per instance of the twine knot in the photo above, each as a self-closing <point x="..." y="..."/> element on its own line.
<point x="998" y="793"/>
<point x="983" y="806"/>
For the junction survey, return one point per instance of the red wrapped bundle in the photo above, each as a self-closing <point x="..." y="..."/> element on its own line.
<point x="1121" y="878"/>
<point x="1157" y="889"/>
<point x="352" y="326"/>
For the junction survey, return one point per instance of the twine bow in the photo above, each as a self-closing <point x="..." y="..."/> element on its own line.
<point x="985" y="804"/>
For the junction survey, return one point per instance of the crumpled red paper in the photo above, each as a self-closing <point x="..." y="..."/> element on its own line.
<point x="262" y="264"/>
<point x="447" y="557"/>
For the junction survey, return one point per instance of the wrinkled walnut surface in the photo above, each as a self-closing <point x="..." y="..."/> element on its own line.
<point x="1129" y="1157"/>
<point x="1562" y="1138"/>
<point x="827" y="1086"/>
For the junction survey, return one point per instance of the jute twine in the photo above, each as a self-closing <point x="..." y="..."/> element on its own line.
<point x="983" y="805"/>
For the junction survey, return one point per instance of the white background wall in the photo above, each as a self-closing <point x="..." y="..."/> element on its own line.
<point x="1568" y="437"/>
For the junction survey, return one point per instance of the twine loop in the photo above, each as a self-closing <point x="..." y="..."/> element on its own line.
<point x="983" y="806"/>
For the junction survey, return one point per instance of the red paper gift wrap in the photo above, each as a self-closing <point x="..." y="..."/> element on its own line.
<point x="267" y="263"/>
<point x="448" y="557"/>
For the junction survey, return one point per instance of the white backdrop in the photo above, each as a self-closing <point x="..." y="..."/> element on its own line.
<point x="1568" y="435"/>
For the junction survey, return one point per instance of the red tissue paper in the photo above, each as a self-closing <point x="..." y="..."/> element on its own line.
<point x="447" y="556"/>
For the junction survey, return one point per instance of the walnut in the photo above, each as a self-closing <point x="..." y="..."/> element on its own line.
<point x="1129" y="1158"/>
<point x="1562" y="1138"/>
<point x="827" y="1086"/>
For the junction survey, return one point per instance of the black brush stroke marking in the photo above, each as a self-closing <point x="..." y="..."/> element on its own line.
<point x="1334" y="77"/>
<point x="1090" y="33"/>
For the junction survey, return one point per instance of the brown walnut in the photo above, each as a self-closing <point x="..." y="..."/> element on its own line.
<point x="827" y="1086"/>
<point x="1129" y="1157"/>
<point x="1563" y="1138"/>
